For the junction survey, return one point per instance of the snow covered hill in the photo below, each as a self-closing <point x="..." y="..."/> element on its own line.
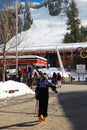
<point x="48" y="31"/>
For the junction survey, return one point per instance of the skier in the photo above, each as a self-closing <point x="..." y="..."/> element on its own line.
<point x="42" y="95"/>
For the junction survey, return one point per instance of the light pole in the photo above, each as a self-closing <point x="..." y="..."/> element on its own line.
<point x="16" y="37"/>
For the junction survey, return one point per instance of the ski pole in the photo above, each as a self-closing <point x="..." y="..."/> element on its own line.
<point x="36" y="108"/>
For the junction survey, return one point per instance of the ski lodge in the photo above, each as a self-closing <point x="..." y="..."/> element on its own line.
<point x="49" y="52"/>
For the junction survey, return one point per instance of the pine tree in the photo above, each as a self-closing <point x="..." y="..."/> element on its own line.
<point x="73" y="25"/>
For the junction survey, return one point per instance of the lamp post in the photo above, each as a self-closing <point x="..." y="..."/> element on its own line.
<point x="16" y="37"/>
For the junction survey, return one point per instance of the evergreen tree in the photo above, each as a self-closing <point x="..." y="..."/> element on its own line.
<point x="73" y="25"/>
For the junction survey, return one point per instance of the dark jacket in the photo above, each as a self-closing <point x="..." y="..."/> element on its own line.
<point x="58" y="77"/>
<point x="42" y="89"/>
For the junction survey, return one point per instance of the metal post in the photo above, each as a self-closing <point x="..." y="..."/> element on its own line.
<point x="60" y="62"/>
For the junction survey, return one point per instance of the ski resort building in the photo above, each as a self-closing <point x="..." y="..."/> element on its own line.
<point x="68" y="52"/>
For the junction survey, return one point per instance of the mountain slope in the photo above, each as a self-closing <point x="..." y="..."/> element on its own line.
<point x="47" y="30"/>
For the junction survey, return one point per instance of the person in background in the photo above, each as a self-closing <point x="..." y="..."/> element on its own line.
<point x="59" y="80"/>
<point x="7" y="76"/>
<point x="54" y="78"/>
<point x="19" y="75"/>
<point x="42" y="95"/>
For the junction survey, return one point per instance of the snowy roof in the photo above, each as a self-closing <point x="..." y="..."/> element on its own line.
<point x="25" y="56"/>
<point x="25" y="59"/>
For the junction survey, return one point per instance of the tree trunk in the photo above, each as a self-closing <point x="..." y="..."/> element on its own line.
<point x="4" y="68"/>
<point x="5" y="41"/>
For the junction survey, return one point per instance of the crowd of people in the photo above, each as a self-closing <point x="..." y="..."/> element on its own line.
<point x="31" y="77"/>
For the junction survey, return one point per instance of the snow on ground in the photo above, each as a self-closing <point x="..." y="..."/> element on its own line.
<point x="12" y="89"/>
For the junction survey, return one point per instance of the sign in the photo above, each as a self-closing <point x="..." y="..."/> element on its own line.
<point x="82" y="52"/>
<point x="81" y="68"/>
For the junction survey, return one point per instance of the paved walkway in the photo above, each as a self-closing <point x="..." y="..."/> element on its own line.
<point x="67" y="111"/>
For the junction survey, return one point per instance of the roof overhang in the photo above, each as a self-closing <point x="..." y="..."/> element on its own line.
<point x="25" y="60"/>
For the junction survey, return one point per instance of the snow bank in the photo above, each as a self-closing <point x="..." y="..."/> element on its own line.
<point x="12" y="88"/>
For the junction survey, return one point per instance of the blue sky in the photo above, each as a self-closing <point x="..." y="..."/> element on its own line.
<point x="4" y="1"/>
<point x="32" y="0"/>
<point x="10" y="1"/>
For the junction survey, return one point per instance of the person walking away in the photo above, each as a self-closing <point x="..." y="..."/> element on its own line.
<point x="42" y="95"/>
<point x="54" y="78"/>
<point x="59" y="80"/>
